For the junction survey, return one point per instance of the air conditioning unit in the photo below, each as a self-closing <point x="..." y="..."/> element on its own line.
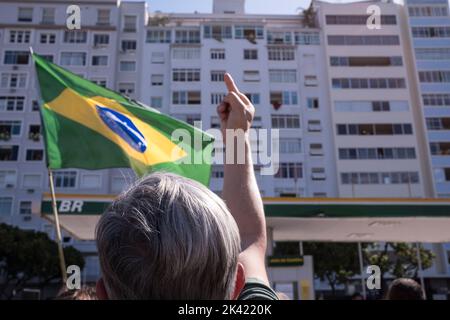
<point x="9" y="185"/>
<point x="15" y="67"/>
<point x="26" y="218"/>
<point x="12" y="90"/>
<point x="30" y="190"/>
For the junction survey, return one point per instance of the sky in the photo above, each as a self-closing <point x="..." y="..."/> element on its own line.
<point x="252" y="6"/>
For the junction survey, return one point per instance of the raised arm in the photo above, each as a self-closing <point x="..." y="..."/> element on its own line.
<point x="240" y="190"/>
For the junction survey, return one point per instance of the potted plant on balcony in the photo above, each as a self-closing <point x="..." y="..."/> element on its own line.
<point x="5" y="135"/>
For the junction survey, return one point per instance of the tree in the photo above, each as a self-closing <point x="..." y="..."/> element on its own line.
<point x="309" y="17"/>
<point x="334" y="262"/>
<point x="397" y="259"/>
<point x="27" y="256"/>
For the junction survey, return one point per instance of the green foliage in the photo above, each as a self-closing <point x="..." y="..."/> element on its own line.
<point x="334" y="262"/>
<point x="30" y="256"/>
<point x="398" y="259"/>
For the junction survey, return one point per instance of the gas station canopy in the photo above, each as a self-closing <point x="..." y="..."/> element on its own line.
<point x="305" y="219"/>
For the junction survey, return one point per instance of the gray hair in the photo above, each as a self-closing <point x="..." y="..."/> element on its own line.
<point x="168" y="237"/>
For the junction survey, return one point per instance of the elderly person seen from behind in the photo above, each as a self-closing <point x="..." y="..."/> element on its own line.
<point x="169" y="237"/>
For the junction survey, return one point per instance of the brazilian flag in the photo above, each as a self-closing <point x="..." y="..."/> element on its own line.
<point x="89" y="127"/>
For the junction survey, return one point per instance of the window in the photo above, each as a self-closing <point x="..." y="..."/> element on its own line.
<point x="290" y="170"/>
<point x="25" y="207"/>
<point x="101" y="40"/>
<point x="250" y="54"/>
<point x="286" y="121"/>
<point x="11" y="103"/>
<point x="25" y="15"/>
<point x="376" y="153"/>
<point x="430" y="32"/>
<point x="156" y="102"/>
<point x="358" y="19"/>
<point x="318" y="174"/>
<point x="282" y="76"/>
<point x="438" y="123"/>
<point x="16" y="57"/>
<point x="254" y="98"/>
<point x="48" y="16"/>
<point x="103" y="17"/>
<point x="47" y="38"/>
<point x="363" y="40"/>
<point x="13" y="80"/>
<point x="373" y="83"/>
<point x="375" y="129"/>
<point x="217" y="98"/>
<point x="186" y="97"/>
<point x="311" y="81"/>
<point x="433" y="53"/>
<point x="251" y="76"/>
<point x="187" y="36"/>
<point x="440" y="148"/>
<point x="422" y="11"/>
<point x="279" y="98"/>
<point x="314" y="126"/>
<point x="157" y="79"/>
<point x="404" y="177"/>
<point x="126" y="88"/>
<point x="48" y="57"/>
<point x="159" y="36"/>
<point x="186" y="75"/>
<point x="217" y="54"/>
<point x="35" y="155"/>
<point x="279" y="37"/>
<point x="34" y="132"/>
<point x="73" y="58"/>
<point x="378" y="106"/>
<point x="100" y="82"/>
<point x="129" y="23"/>
<point x="217" y="76"/>
<point x="290" y="145"/>
<point x="217" y="32"/>
<point x="371" y="106"/>
<point x="447" y="174"/>
<point x="9" y="153"/>
<point x="217" y="172"/>
<point x="6" y="206"/>
<point x="8" y="179"/>
<point x="307" y="38"/>
<point x="19" y="36"/>
<point x="186" y="53"/>
<point x="434" y="76"/>
<point x="315" y="149"/>
<point x="128" y="45"/>
<point x="158" y="57"/>
<point x="75" y="36"/>
<point x="100" y="61"/>
<point x="281" y="54"/>
<point x="65" y="179"/>
<point x="128" y="66"/>
<point x="249" y="32"/>
<point x="35" y="105"/>
<point x="10" y="128"/>
<point x="312" y="103"/>
<point x="366" y="61"/>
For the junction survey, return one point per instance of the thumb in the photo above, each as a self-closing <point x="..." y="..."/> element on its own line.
<point x="229" y="82"/>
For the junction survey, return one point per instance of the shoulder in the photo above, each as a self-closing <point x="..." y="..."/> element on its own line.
<point x="256" y="289"/>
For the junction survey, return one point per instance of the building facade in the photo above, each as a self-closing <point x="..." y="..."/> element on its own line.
<point x="352" y="123"/>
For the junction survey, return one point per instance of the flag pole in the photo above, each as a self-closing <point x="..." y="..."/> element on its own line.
<point x="62" y="262"/>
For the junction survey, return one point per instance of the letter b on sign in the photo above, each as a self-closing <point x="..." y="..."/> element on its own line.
<point x="374" y="280"/>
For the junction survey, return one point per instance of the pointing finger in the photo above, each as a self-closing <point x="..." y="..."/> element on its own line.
<point x="231" y="86"/>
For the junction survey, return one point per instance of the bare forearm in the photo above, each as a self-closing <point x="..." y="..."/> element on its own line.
<point x="241" y="194"/>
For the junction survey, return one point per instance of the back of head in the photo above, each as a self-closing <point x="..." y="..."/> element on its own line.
<point x="84" y="293"/>
<point x="168" y="237"/>
<point x="405" y="289"/>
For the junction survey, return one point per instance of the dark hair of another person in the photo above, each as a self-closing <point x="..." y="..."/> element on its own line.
<point x="85" y="293"/>
<point x="405" y="289"/>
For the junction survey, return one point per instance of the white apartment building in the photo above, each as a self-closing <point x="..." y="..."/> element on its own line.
<point x="341" y="95"/>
